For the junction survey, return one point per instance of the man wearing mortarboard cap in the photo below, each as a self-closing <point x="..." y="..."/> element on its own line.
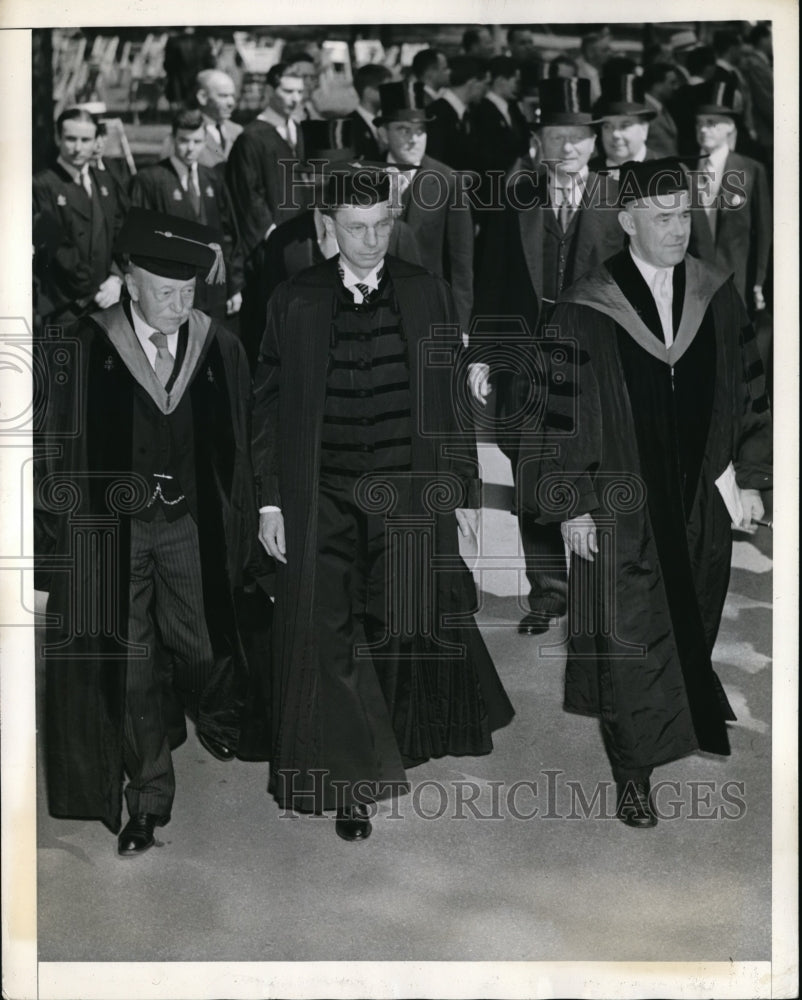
<point x="662" y="441"/>
<point x="365" y="470"/>
<point x="160" y="466"/>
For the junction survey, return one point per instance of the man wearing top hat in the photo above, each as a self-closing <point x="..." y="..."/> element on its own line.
<point x="427" y="193"/>
<point x="734" y="227"/>
<point x="365" y="473"/>
<point x="556" y="225"/>
<point x="661" y="439"/>
<point x="624" y="128"/>
<point x="146" y="496"/>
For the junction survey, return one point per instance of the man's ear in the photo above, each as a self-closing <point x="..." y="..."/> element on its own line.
<point x="328" y="225"/>
<point x="131" y="285"/>
<point x="202" y="97"/>
<point x="383" y="135"/>
<point x="626" y="222"/>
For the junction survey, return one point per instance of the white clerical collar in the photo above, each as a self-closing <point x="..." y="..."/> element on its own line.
<point x="500" y="103"/>
<point x="75" y="172"/>
<point x="143" y="332"/>
<point x="351" y="280"/>
<point x="649" y="271"/>
<point x="639" y="157"/>
<point x="459" y="106"/>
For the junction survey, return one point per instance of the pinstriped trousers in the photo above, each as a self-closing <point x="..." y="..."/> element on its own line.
<point x="165" y="608"/>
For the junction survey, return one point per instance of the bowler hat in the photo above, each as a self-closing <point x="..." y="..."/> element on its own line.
<point x="171" y="247"/>
<point x="565" y="101"/>
<point x="402" y="101"/>
<point x="717" y="97"/>
<point x="650" y="179"/>
<point x="622" y="95"/>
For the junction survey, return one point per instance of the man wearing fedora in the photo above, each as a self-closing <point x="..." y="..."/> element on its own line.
<point x="733" y="229"/>
<point x="556" y="225"/>
<point x="427" y="194"/>
<point x="363" y="468"/>
<point x="159" y="475"/>
<point x="624" y="126"/>
<point x="660" y="439"/>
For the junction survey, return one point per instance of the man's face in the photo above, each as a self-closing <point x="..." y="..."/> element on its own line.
<point x="567" y="148"/>
<point x="288" y="95"/>
<point x="508" y="87"/>
<point x="659" y="228"/>
<point x="362" y="234"/>
<point x="442" y="74"/>
<point x="219" y="99"/>
<point x="189" y="144"/>
<point x="164" y="303"/>
<point x="666" y="89"/>
<point x="597" y="53"/>
<point x="522" y="46"/>
<point x="623" y="137"/>
<point x="76" y="144"/>
<point x="713" y="131"/>
<point x="477" y="89"/>
<point x="406" y="140"/>
<point x="99" y="147"/>
<point x="305" y="71"/>
<point x="485" y="48"/>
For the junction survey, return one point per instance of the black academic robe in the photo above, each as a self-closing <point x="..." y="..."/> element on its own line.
<point x="445" y="705"/>
<point x="449" y="138"/>
<point x="85" y="495"/>
<point x="639" y="435"/>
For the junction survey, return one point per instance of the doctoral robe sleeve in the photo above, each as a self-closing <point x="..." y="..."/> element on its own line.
<point x="266" y="432"/>
<point x="245" y="181"/>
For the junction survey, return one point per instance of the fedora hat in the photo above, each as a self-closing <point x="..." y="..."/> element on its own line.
<point x="402" y="101"/>
<point x="622" y="95"/>
<point x="565" y="101"/>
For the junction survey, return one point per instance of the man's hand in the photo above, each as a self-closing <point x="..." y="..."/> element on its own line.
<point x="580" y="536"/>
<point x="760" y="302"/>
<point x="468" y="521"/>
<point x="753" y="511"/>
<point x="234" y="304"/>
<point x="271" y="534"/>
<point x="479" y="381"/>
<point x="109" y="291"/>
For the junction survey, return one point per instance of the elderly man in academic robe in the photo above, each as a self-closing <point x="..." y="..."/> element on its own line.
<point x="365" y="473"/>
<point x="661" y="441"/>
<point x="146" y="497"/>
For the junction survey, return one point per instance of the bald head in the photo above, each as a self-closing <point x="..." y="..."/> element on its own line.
<point x="216" y="94"/>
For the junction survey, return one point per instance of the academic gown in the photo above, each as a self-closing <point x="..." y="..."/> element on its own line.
<point x="437" y="706"/>
<point x="641" y="435"/>
<point x="84" y="500"/>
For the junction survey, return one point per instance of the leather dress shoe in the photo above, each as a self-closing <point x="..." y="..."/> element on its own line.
<point x="536" y="623"/>
<point x="634" y="804"/>
<point x="352" y="823"/>
<point x="137" y="834"/>
<point x="215" y="747"/>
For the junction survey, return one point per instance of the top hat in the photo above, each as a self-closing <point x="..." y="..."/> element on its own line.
<point x="565" y="101"/>
<point x="717" y="97"/>
<point x="330" y="140"/>
<point x="171" y="247"/>
<point x="651" y="179"/>
<point x="357" y="185"/>
<point x="402" y="101"/>
<point x="622" y="95"/>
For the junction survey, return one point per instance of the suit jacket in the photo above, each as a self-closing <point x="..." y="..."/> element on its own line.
<point x="71" y="270"/>
<point x="449" y="139"/>
<point x="364" y="142"/>
<point x="663" y="135"/>
<point x="760" y="79"/>
<point x="440" y="220"/>
<point x="259" y="175"/>
<point x="743" y="224"/>
<point x="498" y="145"/>
<point x="159" y="188"/>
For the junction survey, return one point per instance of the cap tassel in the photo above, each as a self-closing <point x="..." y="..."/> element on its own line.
<point x="217" y="272"/>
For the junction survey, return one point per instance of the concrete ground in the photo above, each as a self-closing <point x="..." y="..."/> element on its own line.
<point x="458" y="873"/>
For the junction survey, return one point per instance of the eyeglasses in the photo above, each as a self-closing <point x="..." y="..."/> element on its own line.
<point x="408" y="131"/>
<point x="359" y="230"/>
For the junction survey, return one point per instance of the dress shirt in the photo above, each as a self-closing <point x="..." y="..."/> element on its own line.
<point x="285" y="127"/>
<point x="713" y="165"/>
<point x="186" y="173"/>
<point x="455" y="102"/>
<point x="351" y="280"/>
<point x="215" y="131"/>
<point x="434" y="94"/>
<point x="501" y="104"/>
<point x="79" y="174"/>
<point x="143" y="331"/>
<point x="661" y="284"/>
<point x="567" y="189"/>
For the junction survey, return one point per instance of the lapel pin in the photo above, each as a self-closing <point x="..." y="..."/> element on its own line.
<point x="209" y="191"/>
<point x="104" y="191"/>
<point x="61" y="201"/>
<point x="176" y="195"/>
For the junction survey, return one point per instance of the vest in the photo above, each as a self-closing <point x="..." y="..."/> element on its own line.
<point x="558" y="253"/>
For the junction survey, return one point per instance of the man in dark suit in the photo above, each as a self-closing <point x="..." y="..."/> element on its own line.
<point x="367" y="81"/>
<point x="624" y="124"/>
<point x="182" y="186"/>
<point x="427" y="193"/>
<point x="355" y="434"/>
<point x="449" y="136"/>
<point x="557" y="224"/>
<point x="733" y="228"/>
<point x="76" y="273"/>
<point x="660" y="81"/>
<point x="431" y="70"/>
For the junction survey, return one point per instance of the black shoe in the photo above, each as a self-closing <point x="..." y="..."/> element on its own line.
<point x="352" y="823"/>
<point x="137" y="834"/>
<point x="635" y="804"/>
<point x="536" y="623"/>
<point x="215" y="747"/>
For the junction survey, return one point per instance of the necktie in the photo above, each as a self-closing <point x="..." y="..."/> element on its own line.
<point x="193" y="188"/>
<point x="292" y="133"/>
<point x="664" y="298"/>
<point x="708" y="191"/>
<point x="164" y="360"/>
<point x="564" y="208"/>
<point x="86" y="181"/>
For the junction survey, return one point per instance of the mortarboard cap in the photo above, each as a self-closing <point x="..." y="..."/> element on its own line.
<point x="171" y="247"/>
<point x="651" y="179"/>
<point x="358" y="185"/>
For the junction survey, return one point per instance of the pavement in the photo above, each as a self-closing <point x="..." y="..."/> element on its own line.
<point x="460" y="869"/>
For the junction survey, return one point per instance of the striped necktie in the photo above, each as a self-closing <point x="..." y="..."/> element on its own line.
<point x="164" y="360"/>
<point x="367" y="293"/>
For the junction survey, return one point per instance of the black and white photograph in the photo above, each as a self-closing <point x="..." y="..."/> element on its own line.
<point x="399" y="452"/>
